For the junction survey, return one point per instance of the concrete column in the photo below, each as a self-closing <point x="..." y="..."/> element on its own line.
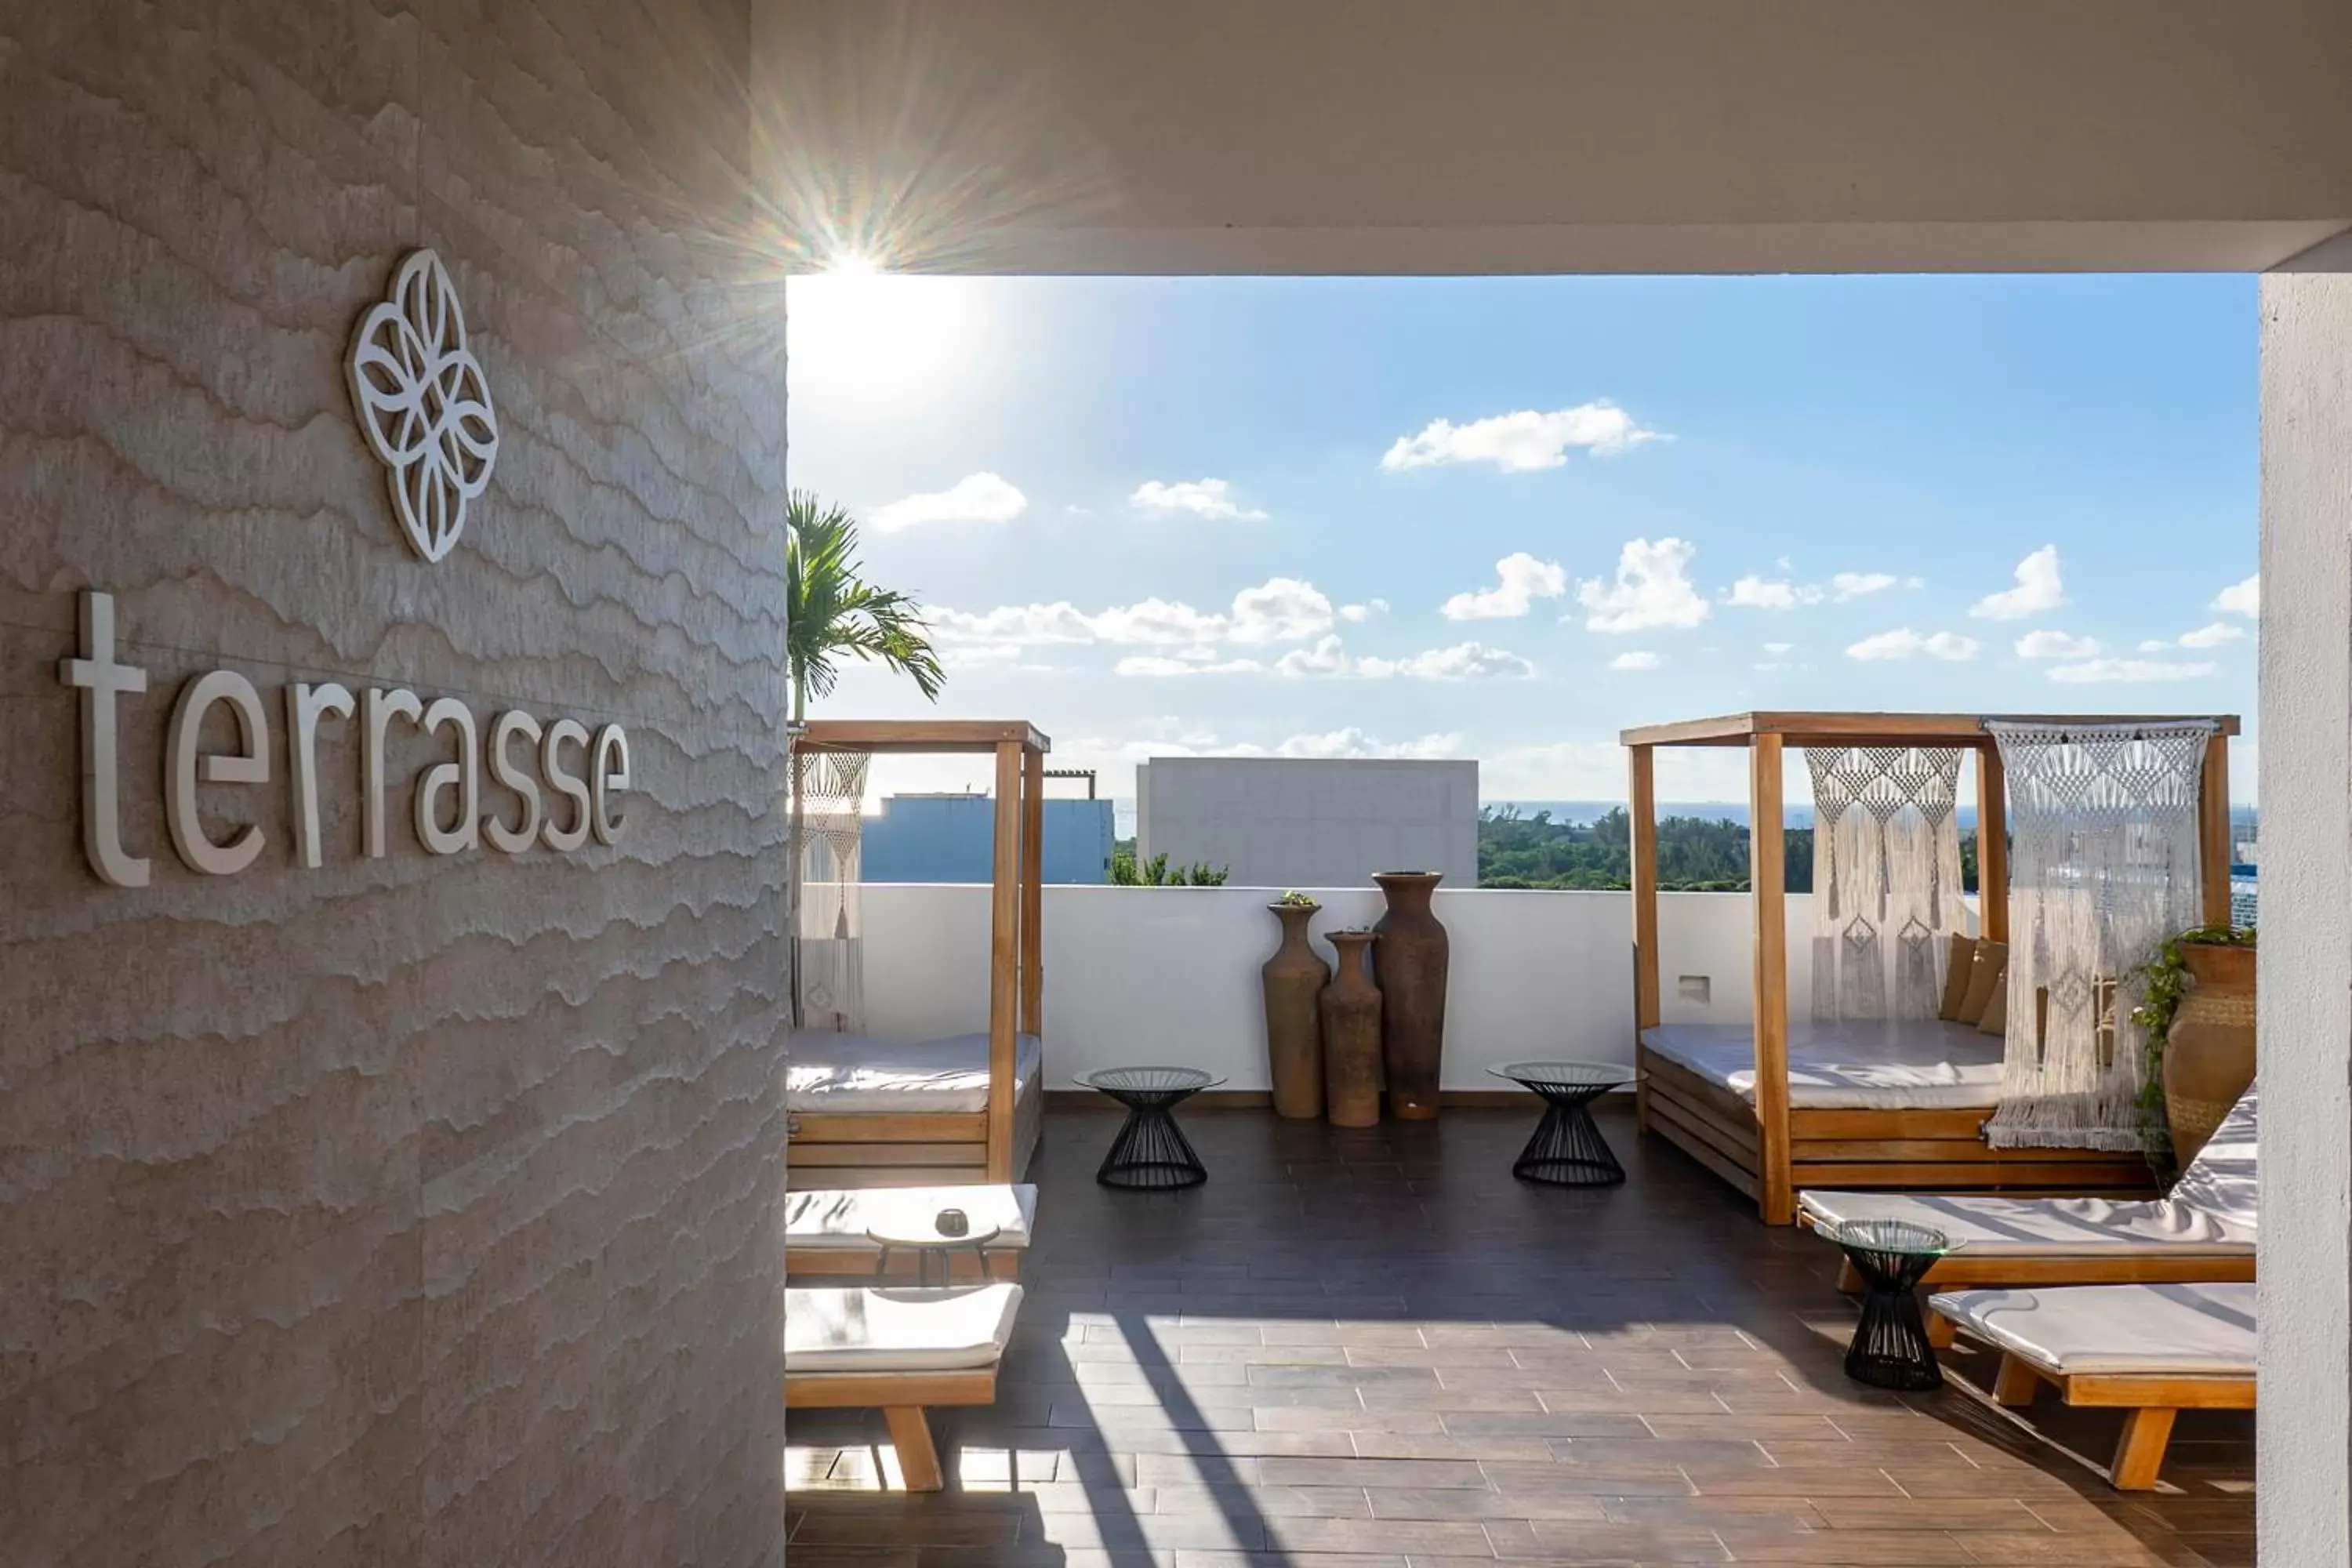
<point x="2305" y="1040"/>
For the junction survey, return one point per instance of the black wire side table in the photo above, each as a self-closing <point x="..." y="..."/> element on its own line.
<point x="1151" y="1153"/>
<point x="1890" y="1347"/>
<point x="1568" y="1149"/>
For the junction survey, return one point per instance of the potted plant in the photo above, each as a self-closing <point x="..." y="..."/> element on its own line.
<point x="1293" y="979"/>
<point x="2197" y="1009"/>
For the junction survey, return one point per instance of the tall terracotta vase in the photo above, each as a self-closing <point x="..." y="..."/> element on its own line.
<point x="1410" y="966"/>
<point x="1294" y="979"/>
<point x="2209" y="1055"/>
<point x="1351" y="1036"/>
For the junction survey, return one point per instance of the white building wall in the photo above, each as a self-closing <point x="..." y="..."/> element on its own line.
<point x="1148" y="975"/>
<point x="1275" y="822"/>
<point x="2303" y="1028"/>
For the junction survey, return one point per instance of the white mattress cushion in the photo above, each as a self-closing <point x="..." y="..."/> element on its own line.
<point x="877" y="1331"/>
<point x="2219" y="1183"/>
<point x="1920" y="1064"/>
<point x="857" y="1075"/>
<point x="837" y="1218"/>
<point x="2116" y="1329"/>
<point x="2039" y="1228"/>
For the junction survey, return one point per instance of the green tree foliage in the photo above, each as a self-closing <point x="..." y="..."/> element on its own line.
<point x="832" y="612"/>
<point x="1694" y="854"/>
<point x="1125" y="871"/>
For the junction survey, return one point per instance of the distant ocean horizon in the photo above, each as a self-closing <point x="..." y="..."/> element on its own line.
<point x="1799" y="813"/>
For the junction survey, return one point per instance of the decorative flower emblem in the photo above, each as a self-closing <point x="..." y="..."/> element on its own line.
<point x="423" y="404"/>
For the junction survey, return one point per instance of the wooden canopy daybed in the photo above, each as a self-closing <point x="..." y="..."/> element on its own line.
<point x="1849" y="1132"/>
<point x="858" y="1116"/>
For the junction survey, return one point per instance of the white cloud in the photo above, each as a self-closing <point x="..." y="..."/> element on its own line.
<point x="2135" y="671"/>
<point x="1280" y="609"/>
<point x="1595" y="769"/>
<point x="1755" y="593"/>
<point x="1353" y="742"/>
<point x="1637" y="660"/>
<point x="975" y="498"/>
<point x="1776" y="649"/>
<point x="1365" y="611"/>
<point x="1855" y="584"/>
<point x="1653" y="589"/>
<point x="1521" y="442"/>
<point x="1907" y="644"/>
<point x="1463" y="661"/>
<point x="1520" y="581"/>
<point x="1158" y="621"/>
<point x="2038" y="589"/>
<point x="2046" y="644"/>
<point x="1328" y="657"/>
<point x="2214" y="636"/>
<point x="1161" y="665"/>
<point x="1201" y="498"/>
<point x="2241" y="598"/>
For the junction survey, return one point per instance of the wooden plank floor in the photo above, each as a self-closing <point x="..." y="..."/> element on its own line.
<point x="1376" y="1349"/>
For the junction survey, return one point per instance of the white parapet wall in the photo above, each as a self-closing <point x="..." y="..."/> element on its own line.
<point x="1169" y="975"/>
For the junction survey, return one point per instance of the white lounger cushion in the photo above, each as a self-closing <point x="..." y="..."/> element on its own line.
<point x="2037" y="1227"/>
<point x="2211" y="1208"/>
<point x="1916" y="1064"/>
<point x="881" y="1331"/>
<point x="838" y="1218"/>
<point x="856" y="1075"/>
<point x="2220" y="1181"/>
<point x="2115" y="1330"/>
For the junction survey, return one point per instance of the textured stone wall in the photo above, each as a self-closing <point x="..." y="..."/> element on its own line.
<point x="409" y="1211"/>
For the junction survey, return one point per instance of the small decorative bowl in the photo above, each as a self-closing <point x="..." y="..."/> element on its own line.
<point x="952" y="1222"/>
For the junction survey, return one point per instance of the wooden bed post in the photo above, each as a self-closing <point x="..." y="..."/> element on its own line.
<point x="2214" y="850"/>
<point x="1767" y="877"/>
<point x="1992" y="843"/>
<point x="1645" y="854"/>
<point x="1032" y="892"/>
<point x="1004" y="961"/>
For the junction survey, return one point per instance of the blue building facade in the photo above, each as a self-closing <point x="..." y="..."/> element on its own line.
<point x="951" y="838"/>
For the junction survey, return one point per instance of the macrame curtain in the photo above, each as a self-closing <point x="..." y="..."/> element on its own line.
<point x="2103" y="867"/>
<point x="828" y="933"/>
<point x="1886" y="879"/>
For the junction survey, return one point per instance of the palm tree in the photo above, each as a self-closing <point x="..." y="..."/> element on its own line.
<point x="833" y="611"/>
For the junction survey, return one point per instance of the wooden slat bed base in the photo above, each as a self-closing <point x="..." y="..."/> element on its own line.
<point x="932" y="1154"/>
<point x="801" y="1174"/>
<point x="919" y="1127"/>
<point x="843" y="1262"/>
<point x="1891" y="1150"/>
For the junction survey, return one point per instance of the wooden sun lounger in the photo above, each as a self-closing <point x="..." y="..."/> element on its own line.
<point x="2202" y="1232"/>
<point x="901" y="1352"/>
<point x="2151" y="1351"/>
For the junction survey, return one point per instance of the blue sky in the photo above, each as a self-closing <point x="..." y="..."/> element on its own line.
<point x="1273" y="515"/>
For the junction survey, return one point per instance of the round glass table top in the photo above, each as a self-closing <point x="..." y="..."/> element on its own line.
<point x="1894" y="1237"/>
<point x="1149" y="1080"/>
<point x="1567" y="1075"/>
<point x="910" y="1236"/>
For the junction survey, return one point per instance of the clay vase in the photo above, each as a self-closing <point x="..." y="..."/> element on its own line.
<point x="2208" y="1056"/>
<point x="1293" y="979"/>
<point x="1410" y="966"/>
<point x="1351" y="1036"/>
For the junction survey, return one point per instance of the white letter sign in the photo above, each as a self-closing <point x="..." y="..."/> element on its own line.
<point x="100" y="680"/>
<point x="249" y="766"/>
